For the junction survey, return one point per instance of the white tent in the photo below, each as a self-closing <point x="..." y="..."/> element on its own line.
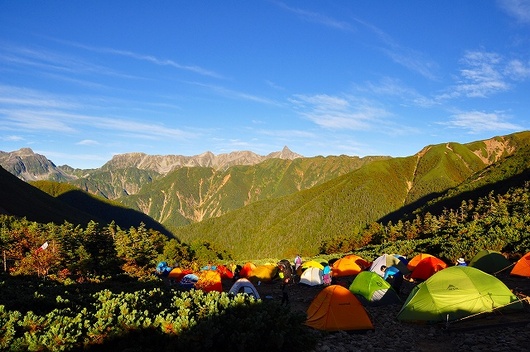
<point x="244" y="286"/>
<point x="312" y="276"/>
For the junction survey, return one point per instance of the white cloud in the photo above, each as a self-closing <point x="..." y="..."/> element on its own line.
<point x="482" y="74"/>
<point x="517" y="70"/>
<point x="11" y="138"/>
<point x="478" y="121"/>
<point x="87" y="142"/>
<point x="406" y="57"/>
<point x="30" y="110"/>
<point x="338" y="113"/>
<point x="519" y="9"/>
<point x="233" y="94"/>
<point x="147" y="58"/>
<point x="318" y="18"/>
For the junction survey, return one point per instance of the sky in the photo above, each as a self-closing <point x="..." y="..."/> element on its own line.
<point x="81" y="81"/>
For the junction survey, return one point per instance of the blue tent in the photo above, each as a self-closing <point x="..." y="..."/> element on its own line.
<point x="188" y="281"/>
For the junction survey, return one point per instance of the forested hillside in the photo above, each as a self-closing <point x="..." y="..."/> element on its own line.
<point x="343" y="207"/>
<point x="280" y="207"/>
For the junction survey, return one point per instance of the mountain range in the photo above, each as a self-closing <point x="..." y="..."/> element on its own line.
<point x="274" y="205"/>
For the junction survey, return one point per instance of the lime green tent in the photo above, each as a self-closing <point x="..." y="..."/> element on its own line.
<point x="455" y="293"/>
<point x="372" y="289"/>
<point x="490" y="261"/>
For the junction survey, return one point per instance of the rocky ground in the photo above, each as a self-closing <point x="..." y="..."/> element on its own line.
<point x="496" y="332"/>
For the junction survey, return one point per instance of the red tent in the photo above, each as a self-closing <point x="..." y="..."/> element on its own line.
<point x="522" y="267"/>
<point x="246" y="270"/>
<point x="428" y="267"/>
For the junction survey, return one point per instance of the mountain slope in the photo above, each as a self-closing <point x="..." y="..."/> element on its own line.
<point x="343" y="206"/>
<point x="189" y="195"/>
<point x="19" y="198"/>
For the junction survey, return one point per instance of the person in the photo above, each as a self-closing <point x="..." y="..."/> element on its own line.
<point x="461" y="262"/>
<point x="297" y="262"/>
<point x="285" y="294"/>
<point x="396" y="277"/>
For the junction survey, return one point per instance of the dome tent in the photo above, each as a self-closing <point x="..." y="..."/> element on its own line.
<point x="490" y="261"/>
<point x="244" y="286"/>
<point x="455" y="293"/>
<point x="336" y="308"/>
<point x="387" y="261"/>
<point x="348" y="265"/>
<point x="372" y="289"/>
<point x="416" y="260"/>
<point x="522" y="266"/>
<point x="427" y="267"/>
<point x="312" y="277"/>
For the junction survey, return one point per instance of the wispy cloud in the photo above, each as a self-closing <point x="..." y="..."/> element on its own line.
<point x="147" y="58"/>
<point x="517" y="70"/>
<point x="49" y="61"/>
<point x="482" y="74"/>
<point x="12" y="138"/>
<point x="87" y="142"/>
<point x="319" y="18"/>
<point x="412" y="59"/>
<point x="338" y="113"/>
<point x="518" y="9"/>
<point x="233" y="94"/>
<point x="30" y="110"/>
<point x="477" y="121"/>
<point x="391" y="87"/>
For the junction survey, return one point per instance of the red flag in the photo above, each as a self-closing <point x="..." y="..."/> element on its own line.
<point x="43" y="247"/>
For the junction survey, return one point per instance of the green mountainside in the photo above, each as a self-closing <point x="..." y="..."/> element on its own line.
<point x="345" y="205"/>
<point x="190" y="195"/>
<point x="279" y="207"/>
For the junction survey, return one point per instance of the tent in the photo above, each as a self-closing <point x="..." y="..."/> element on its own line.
<point x="163" y="269"/>
<point x="225" y="272"/>
<point x="416" y="259"/>
<point x="336" y="308"/>
<point x="176" y="274"/>
<point x="244" y="286"/>
<point x="209" y="280"/>
<point x="490" y="261"/>
<point x="522" y="266"/>
<point x="188" y="281"/>
<point x="456" y="293"/>
<point x="372" y="289"/>
<point x="246" y="270"/>
<point x="349" y="265"/>
<point x="312" y="264"/>
<point x="312" y="277"/>
<point x="263" y="273"/>
<point x="388" y="260"/>
<point x="427" y="267"/>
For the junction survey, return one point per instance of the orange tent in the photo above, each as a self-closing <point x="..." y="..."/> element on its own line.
<point x="522" y="266"/>
<point x="336" y="308"/>
<point x="246" y="270"/>
<point x="209" y="280"/>
<point x="177" y="274"/>
<point x="349" y="265"/>
<point x="416" y="259"/>
<point x="225" y="272"/>
<point x="427" y="268"/>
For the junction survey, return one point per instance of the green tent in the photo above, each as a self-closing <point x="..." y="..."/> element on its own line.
<point x="372" y="289"/>
<point x="455" y="293"/>
<point x="490" y="261"/>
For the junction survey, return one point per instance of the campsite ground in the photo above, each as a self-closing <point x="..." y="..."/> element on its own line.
<point x="499" y="332"/>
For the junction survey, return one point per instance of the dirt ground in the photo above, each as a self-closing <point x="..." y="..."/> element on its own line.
<point x="500" y="332"/>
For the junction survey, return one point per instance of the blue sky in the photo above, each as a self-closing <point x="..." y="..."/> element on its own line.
<point x="81" y="81"/>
